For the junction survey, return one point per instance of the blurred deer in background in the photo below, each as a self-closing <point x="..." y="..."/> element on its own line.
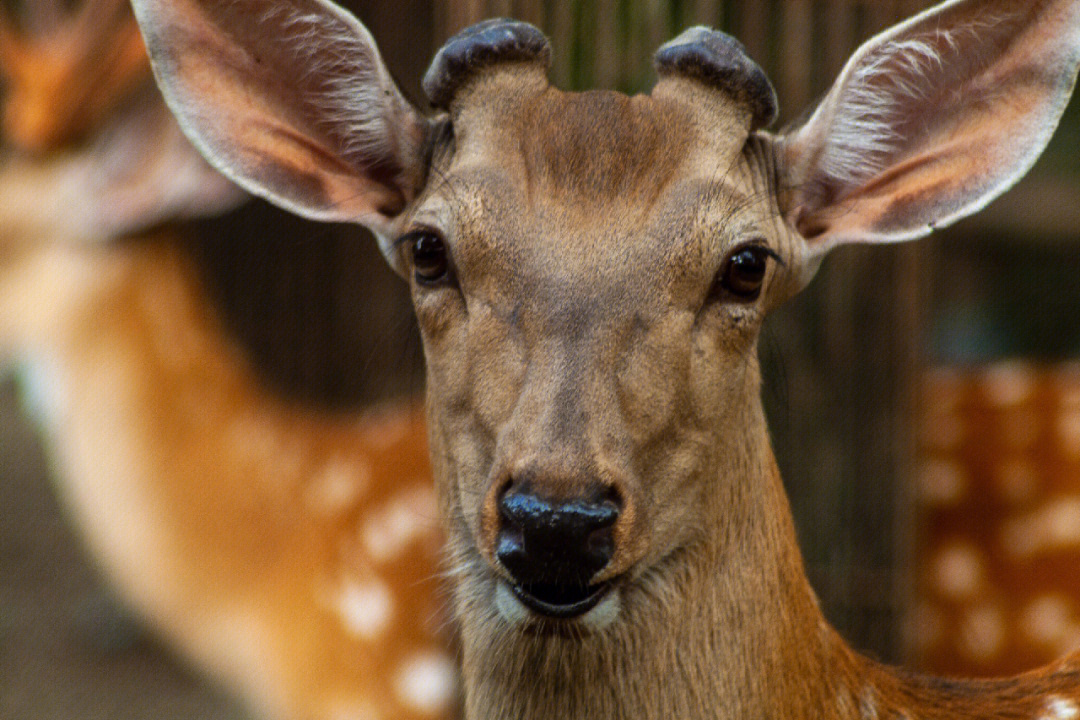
<point x="998" y="531"/>
<point x="590" y="272"/>
<point x="290" y="552"/>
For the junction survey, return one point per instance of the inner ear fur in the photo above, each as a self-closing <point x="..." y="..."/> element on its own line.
<point x="291" y="100"/>
<point x="931" y="120"/>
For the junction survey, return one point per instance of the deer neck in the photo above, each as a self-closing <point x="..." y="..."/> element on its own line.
<point x="726" y="628"/>
<point x="730" y="628"/>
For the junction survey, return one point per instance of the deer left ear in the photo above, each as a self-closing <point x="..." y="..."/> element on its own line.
<point x="290" y="99"/>
<point x="931" y="120"/>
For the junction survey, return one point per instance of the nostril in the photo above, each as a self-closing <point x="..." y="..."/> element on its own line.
<point x="601" y="543"/>
<point x="510" y="548"/>
<point x="520" y="507"/>
<point x="596" y="516"/>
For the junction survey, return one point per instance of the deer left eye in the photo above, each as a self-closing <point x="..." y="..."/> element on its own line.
<point x="431" y="262"/>
<point x="743" y="273"/>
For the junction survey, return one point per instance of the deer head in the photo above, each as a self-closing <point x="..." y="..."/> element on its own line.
<point x="590" y="272"/>
<point x="87" y="141"/>
<point x="69" y="69"/>
<point x="88" y="151"/>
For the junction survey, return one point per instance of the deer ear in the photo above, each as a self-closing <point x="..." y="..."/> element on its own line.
<point x="290" y="99"/>
<point x="931" y="120"/>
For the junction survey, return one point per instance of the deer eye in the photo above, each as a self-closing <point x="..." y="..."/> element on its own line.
<point x="430" y="259"/>
<point x="743" y="273"/>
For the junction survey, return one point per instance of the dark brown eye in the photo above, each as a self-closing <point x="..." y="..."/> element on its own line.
<point x="744" y="272"/>
<point x="431" y="262"/>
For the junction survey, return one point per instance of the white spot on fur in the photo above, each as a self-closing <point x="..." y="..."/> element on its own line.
<point x="1047" y="619"/>
<point x="405" y="519"/>
<point x="365" y="608"/>
<point x="508" y="606"/>
<point x="427" y="683"/>
<point x="958" y="571"/>
<point x="1054" y="526"/>
<point x="387" y="428"/>
<point x="1008" y="384"/>
<point x="1061" y="709"/>
<point x="942" y="482"/>
<point x="338" y="485"/>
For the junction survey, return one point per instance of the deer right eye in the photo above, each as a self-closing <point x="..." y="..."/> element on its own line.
<point x="431" y="262"/>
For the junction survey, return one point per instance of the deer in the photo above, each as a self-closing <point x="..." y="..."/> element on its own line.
<point x="590" y="272"/>
<point x="288" y="552"/>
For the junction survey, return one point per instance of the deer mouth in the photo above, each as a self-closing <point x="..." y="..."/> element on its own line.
<point x="560" y="602"/>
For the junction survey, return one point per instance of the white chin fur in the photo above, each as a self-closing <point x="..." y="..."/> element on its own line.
<point x="509" y="607"/>
<point x="512" y="611"/>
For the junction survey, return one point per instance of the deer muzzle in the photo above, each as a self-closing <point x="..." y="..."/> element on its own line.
<point x="553" y="547"/>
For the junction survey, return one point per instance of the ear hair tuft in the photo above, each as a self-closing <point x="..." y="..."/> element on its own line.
<point x="720" y="60"/>
<point x="478" y="46"/>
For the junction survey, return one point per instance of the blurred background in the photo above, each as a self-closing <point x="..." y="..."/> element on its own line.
<point x="923" y="399"/>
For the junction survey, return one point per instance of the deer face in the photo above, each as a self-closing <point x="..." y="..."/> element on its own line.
<point x="590" y="271"/>
<point x="589" y="304"/>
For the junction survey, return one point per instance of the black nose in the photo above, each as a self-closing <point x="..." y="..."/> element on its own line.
<point x="543" y="541"/>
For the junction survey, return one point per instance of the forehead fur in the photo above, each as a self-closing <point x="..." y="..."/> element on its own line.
<point x="602" y="144"/>
<point x="598" y="146"/>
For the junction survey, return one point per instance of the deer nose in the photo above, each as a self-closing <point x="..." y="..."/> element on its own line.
<point x="559" y="543"/>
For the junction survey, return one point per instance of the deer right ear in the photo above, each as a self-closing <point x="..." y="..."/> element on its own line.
<point x="290" y="99"/>
<point x="931" y="120"/>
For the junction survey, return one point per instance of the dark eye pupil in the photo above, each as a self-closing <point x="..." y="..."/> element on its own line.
<point x="745" y="273"/>
<point x="429" y="257"/>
